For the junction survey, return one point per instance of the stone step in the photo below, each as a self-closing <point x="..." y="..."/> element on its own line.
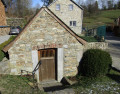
<point x="54" y="87"/>
<point x="50" y="86"/>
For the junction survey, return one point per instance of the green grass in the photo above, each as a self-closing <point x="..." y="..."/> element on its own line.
<point x="103" y="18"/>
<point x="109" y="84"/>
<point x="2" y="54"/>
<point x="89" y="38"/>
<point x="17" y="85"/>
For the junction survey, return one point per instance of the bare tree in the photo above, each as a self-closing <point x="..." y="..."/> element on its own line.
<point x="103" y="3"/>
<point x="110" y="4"/>
<point x="9" y="7"/>
<point x="118" y="5"/>
<point x="19" y="8"/>
<point x="80" y="2"/>
<point x="47" y="2"/>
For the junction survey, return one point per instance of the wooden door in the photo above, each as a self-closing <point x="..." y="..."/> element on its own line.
<point x="47" y="67"/>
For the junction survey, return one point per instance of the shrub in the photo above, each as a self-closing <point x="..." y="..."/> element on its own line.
<point x="95" y="62"/>
<point x="2" y="54"/>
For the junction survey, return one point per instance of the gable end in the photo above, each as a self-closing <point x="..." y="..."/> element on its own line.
<point x="6" y="48"/>
<point x="70" y="0"/>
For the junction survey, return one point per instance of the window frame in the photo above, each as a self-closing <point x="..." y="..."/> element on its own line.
<point x="70" y="7"/>
<point x="74" y="23"/>
<point x="71" y="23"/>
<point x="57" y="7"/>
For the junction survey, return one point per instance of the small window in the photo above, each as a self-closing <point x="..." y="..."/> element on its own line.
<point x="70" y="7"/>
<point x="58" y="7"/>
<point x="74" y="23"/>
<point x="70" y="23"/>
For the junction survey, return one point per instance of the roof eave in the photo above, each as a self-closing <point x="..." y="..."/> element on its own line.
<point x="77" y="4"/>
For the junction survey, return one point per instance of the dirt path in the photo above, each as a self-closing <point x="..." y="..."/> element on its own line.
<point x="114" y="49"/>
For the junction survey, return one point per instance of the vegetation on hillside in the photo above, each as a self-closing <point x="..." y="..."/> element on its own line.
<point x="105" y="17"/>
<point x="89" y="38"/>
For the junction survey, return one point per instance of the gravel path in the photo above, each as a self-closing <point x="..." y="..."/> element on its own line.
<point x="114" y="49"/>
<point x="4" y="38"/>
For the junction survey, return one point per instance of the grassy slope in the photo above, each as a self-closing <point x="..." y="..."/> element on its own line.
<point x="103" y="18"/>
<point x="17" y="85"/>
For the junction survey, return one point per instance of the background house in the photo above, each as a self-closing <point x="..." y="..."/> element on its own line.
<point x="69" y="12"/>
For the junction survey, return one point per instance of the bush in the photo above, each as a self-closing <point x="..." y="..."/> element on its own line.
<point x="2" y="54"/>
<point x="95" y="63"/>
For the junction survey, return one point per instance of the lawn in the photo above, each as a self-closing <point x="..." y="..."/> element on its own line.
<point x="109" y="84"/>
<point x="17" y="85"/>
<point x="89" y="38"/>
<point x="106" y="17"/>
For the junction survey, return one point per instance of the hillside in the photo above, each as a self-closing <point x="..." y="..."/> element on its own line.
<point x="103" y="18"/>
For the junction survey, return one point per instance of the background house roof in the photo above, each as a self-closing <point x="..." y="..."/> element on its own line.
<point x="7" y="47"/>
<point x="71" y="1"/>
<point x="77" y="4"/>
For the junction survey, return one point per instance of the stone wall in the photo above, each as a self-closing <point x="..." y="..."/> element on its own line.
<point x="16" y="22"/>
<point x="96" y="45"/>
<point x="4" y="31"/>
<point x="2" y="15"/>
<point x="44" y="32"/>
<point x="66" y="15"/>
<point x="4" y="66"/>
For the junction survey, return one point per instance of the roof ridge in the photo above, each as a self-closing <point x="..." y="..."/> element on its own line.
<point x="70" y="0"/>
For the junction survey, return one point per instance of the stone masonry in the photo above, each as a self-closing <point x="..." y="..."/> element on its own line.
<point x="44" y="32"/>
<point x="67" y="15"/>
<point x="16" y="22"/>
<point x="96" y="45"/>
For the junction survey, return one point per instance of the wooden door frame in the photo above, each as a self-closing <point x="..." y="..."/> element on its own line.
<point x="55" y="58"/>
<point x="60" y="62"/>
